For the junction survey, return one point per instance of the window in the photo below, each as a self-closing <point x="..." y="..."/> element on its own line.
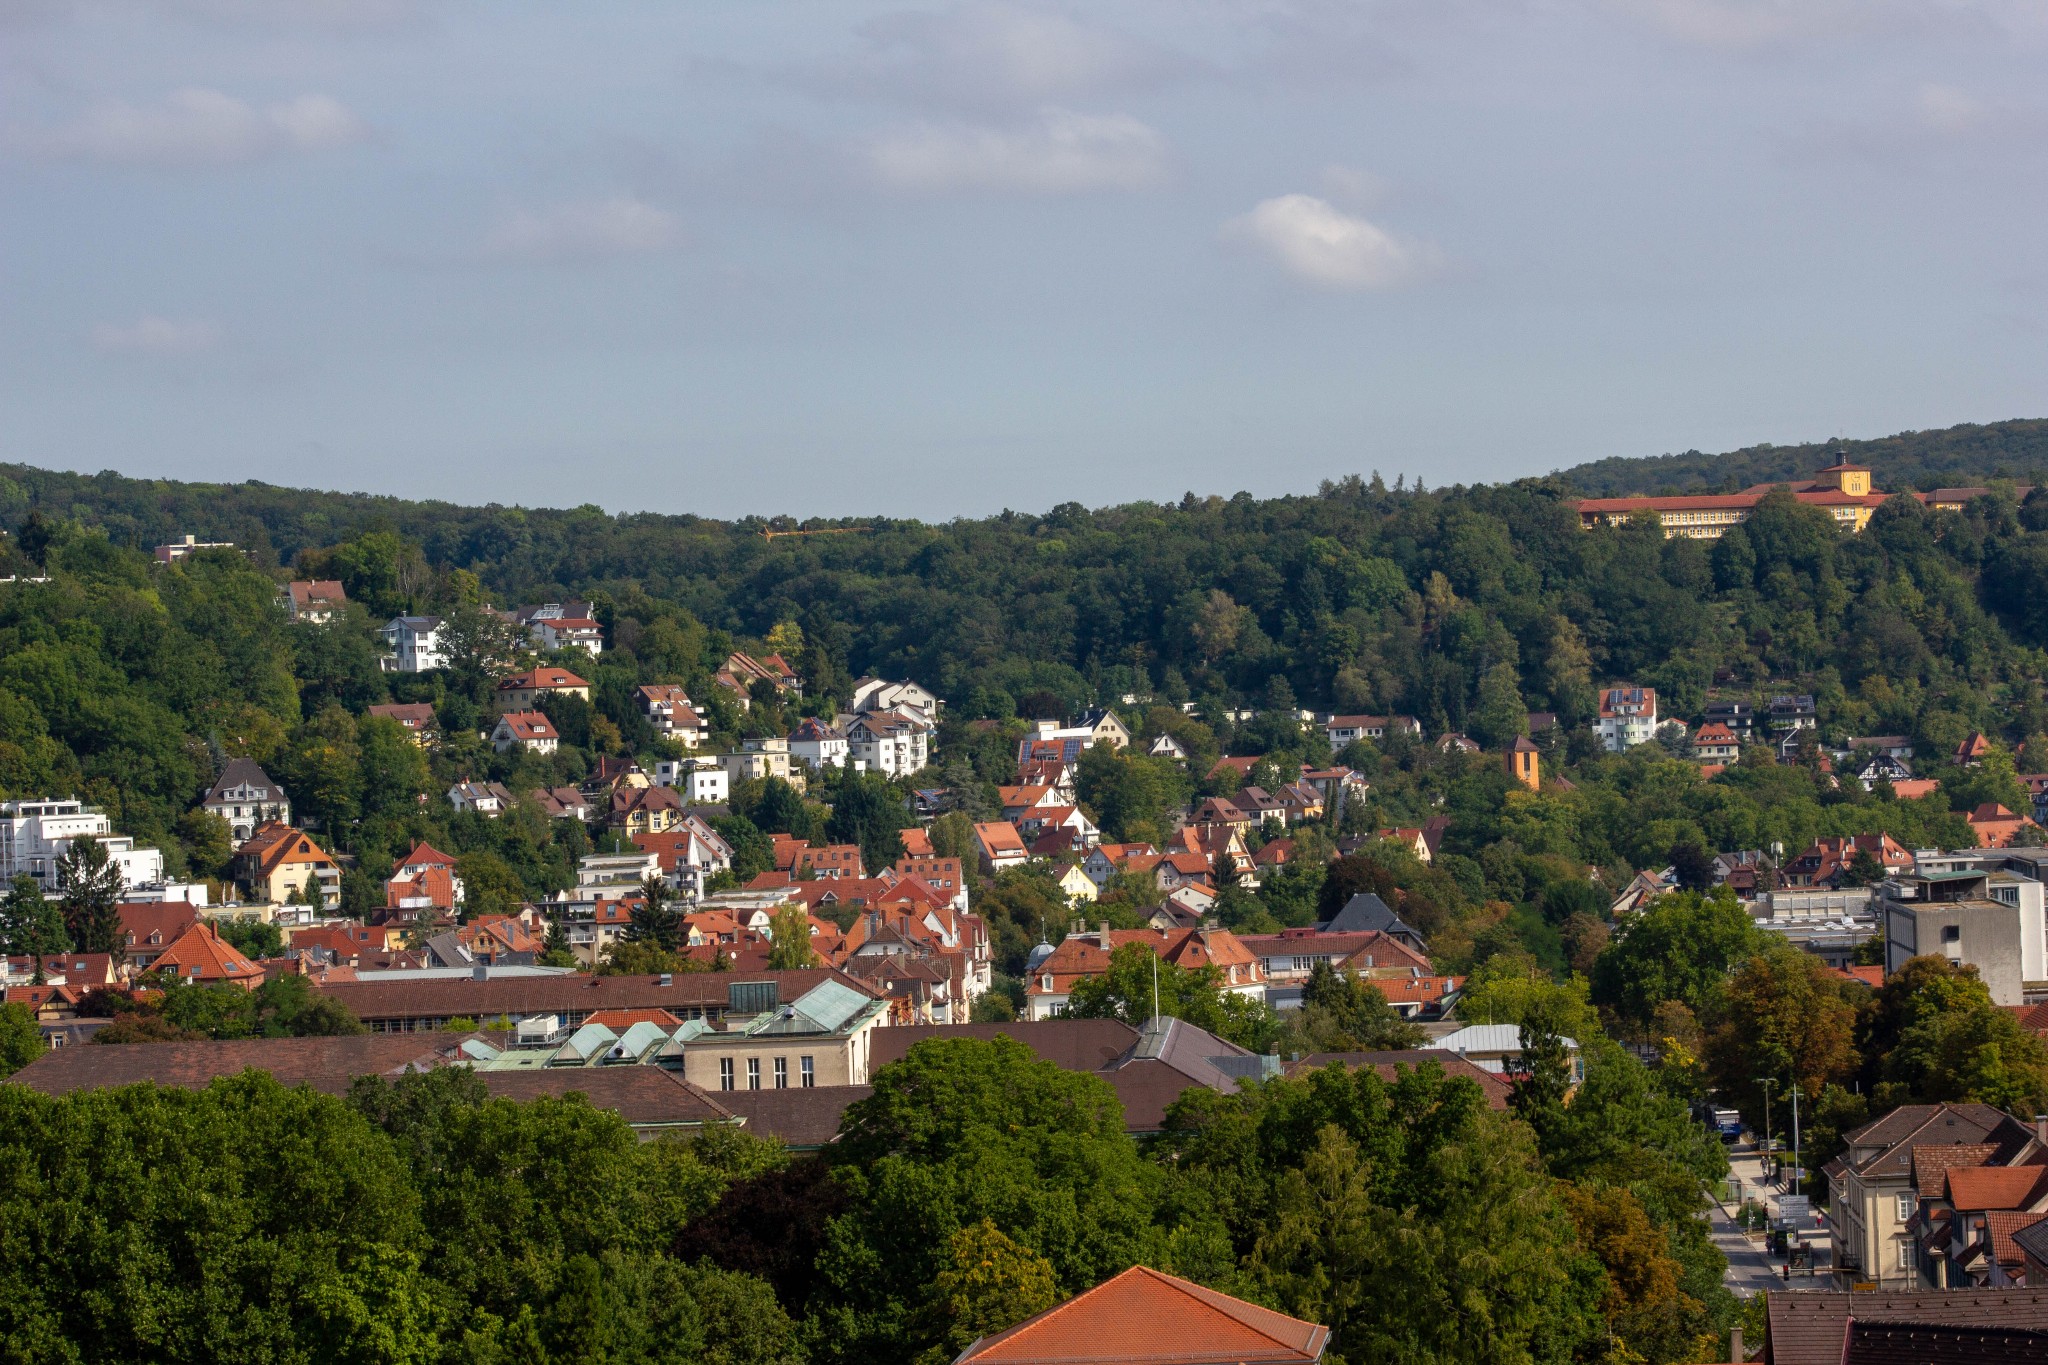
<point x="1951" y="933"/>
<point x="725" y="1073"/>
<point x="810" y="1072"/>
<point x="1905" y="1207"/>
<point x="1905" y="1254"/>
<point x="753" y="1073"/>
<point x="782" y="1073"/>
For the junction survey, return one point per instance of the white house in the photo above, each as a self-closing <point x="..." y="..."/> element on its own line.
<point x="415" y="644"/>
<point x="35" y="834"/>
<point x="490" y="799"/>
<point x="1342" y="730"/>
<point x="671" y="712"/>
<point x="558" y="625"/>
<point x="819" y="745"/>
<point x="245" y="797"/>
<point x="530" y="730"/>
<point x="699" y="781"/>
<point x="1628" y="717"/>
<point x="888" y="742"/>
<point x="877" y="694"/>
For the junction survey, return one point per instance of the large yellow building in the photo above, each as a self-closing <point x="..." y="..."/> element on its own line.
<point x="1842" y="490"/>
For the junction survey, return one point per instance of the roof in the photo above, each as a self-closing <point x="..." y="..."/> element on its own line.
<point x="1366" y="912"/>
<point x="1486" y="1038"/>
<point x="1975" y="1189"/>
<point x="1070" y="1044"/>
<point x="527" y="725"/>
<point x="801" y="1118"/>
<point x="543" y="678"/>
<point x="644" y="1096"/>
<point x="1143" y="1315"/>
<point x="570" y="992"/>
<point x="245" y="772"/>
<point x="412" y="714"/>
<point x="201" y="954"/>
<point x="1812" y="1328"/>
<point x="1902" y="1133"/>
<point x="326" y="1064"/>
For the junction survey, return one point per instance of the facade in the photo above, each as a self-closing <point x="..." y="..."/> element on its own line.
<point x="1342" y="730"/>
<point x="280" y="864"/>
<point x="313" y="601"/>
<point x="35" y="834"/>
<point x="1628" y="717"/>
<point x="525" y="729"/>
<point x="415" y="645"/>
<point x="1714" y="742"/>
<point x="1084" y="955"/>
<point x="1843" y="491"/>
<point x="878" y="694"/>
<point x="1525" y="765"/>
<point x="1989" y="919"/>
<point x="818" y="744"/>
<point x="523" y="691"/>
<point x="890" y="742"/>
<point x="245" y="797"/>
<point x="669" y="710"/>
<point x="700" y="781"/>
<point x="562" y="625"/>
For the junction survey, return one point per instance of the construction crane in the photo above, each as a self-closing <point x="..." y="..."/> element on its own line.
<point x="821" y="531"/>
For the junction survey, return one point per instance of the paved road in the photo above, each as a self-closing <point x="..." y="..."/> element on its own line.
<point x="1749" y="1268"/>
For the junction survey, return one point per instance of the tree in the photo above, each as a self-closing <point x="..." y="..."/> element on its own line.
<point x="21" y="1042"/>
<point x="1343" y="1014"/>
<point x="1692" y="864"/>
<point x="990" y="1284"/>
<point x="869" y="811"/>
<point x="1502" y="716"/>
<point x="1680" y="947"/>
<point x="1931" y="1033"/>
<point x="790" y="947"/>
<point x="1779" y="1015"/>
<point x="654" y="920"/>
<point x="1138" y="985"/>
<point x="1865" y="869"/>
<point x="30" y="924"/>
<point x="90" y="885"/>
<point x="208" y="840"/>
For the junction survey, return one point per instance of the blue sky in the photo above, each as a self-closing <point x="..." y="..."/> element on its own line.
<point x="931" y="260"/>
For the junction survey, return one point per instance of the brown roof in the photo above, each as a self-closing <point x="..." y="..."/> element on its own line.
<point x="1070" y="1044"/>
<point x="801" y="1118"/>
<point x="1932" y="1160"/>
<point x="1911" y="1126"/>
<point x="644" y="1096"/>
<point x="1811" y="1328"/>
<point x="571" y="993"/>
<point x="201" y="954"/>
<point x="326" y="1064"/>
<point x="1145" y="1316"/>
<point x="1975" y="1189"/>
<point x="538" y="678"/>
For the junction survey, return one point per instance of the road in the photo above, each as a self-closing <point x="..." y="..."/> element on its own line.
<point x="1749" y="1268"/>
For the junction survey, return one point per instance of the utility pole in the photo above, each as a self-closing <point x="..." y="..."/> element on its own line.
<point x="1795" y="1140"/>
<point x="1767" y="1119"/>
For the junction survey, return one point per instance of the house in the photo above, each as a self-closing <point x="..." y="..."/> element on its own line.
<point x="1144" y="1315"/>
<point x="1825" y="863"/>
<point x="489" y="799"/>
<point x="769" y="668"/>
<point x="1498" y="1048"/>
<point x="890" y="742"/>
<point x="34" y="834"/>
<point x="188" y="546"/>
<point x="313" y="602"/>
<point x="524" y="691"/>
<point x="1217" y="810"/>
<point x="1792" y="712"/>
<point x="1971" y="752"/>
<point x="944" y="875"/>
<point x="245" y="797"/>
<point x="1524" y="764"/>
<point x="1642" y="888"/>
<point x="689" y="853"/>
<point x="1344" y="730"/>
<point x="876" y="694"/>
<point x="1872" y="768"/>
<point x="762" y="758"/>
<point x="700" y="781"/>
<point x="415" y="645"/>
<point x="643" y="810"/>
<point x="1994" y="825"/>
<point x="148" y="928"/>
<point x="201" y="957"/>
<point x="1081" y="956"/>
<point x="1410" y="839"/>
<point x="669" y="710"/>
<point x="1886" y="1326"/>
<point x="1628" y="717"/>
<point x="1715" y="742"/>
<point x="1291" y="956"/>
<point x="562" y="625"/>
<point x="562" y="803"/>
<point x="279" y="864"/>
<point x="1892" y="746"/>
<point x="1166" y="746"/>
<point x="1451" y="742"/>
<point x="529" y="730"/>
<point x="1875" y="1186"/>
<point x="1367" y="913"/>
<point x="1104" y="861"/>
<point x="1746" y="872"/>
<point x="416" y="717"/>
<point x="1738" y="717"/>
<point x="818" y="744"/>
<point x="424" y="877"/>
<point x="1075" y="885"/>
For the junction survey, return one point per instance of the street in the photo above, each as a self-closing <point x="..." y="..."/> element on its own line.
<point x="1749" y="1267"/>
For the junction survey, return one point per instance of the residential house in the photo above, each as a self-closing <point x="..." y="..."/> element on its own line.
<point x="1628" y="717"/>
<point x="1081" y="956"/>
<point x="946" y="876"/>
<point x="1142" y="1314"/>
<point x="1874" y="1186"/>
<point x="563" y="803"/>
<point x="1714" y="742"/>
<point x="1343" y="730"/>
<point x="1972" y="751"/>
<point x="1792" y="712"/>
<point x="148" y="928"/>
<point x="1892" y="746"/>
<point x="489" y="799"/>
<point x="562" y="625"/>
<point x="1875" y="767"/>
<point x="34" y="834"/>
<point x="1825" y="863"/>
<point x="1000" y="846"/>
<point x="1104" y="861"/>
<point x="524" y="691"/>
<point x="762" y="758"/>
<point x="819" y="744"/>
<point x="669" y="710"/>
<point x="425" y="877"/>
<point x="1746" y="872"/>
<point x="690" y="853"/>
<point x="1498" y="1048"/>
<point x="643" y="810"/>
<point x="1994" y="825"/>
<point x="415" y="645"/>
<point x="889" y="742"/>
<point x="245" y="797"/>
<point x="701" y="781"/>
<point x="279" y="864"/>
<point x="188" y="546"/>
<point x="1367" y="913"/>
<point x="1075" y="885"/>
<point x="1738" y="717"/>
<point x="1886" y="1326"/>
<point x="530" y="730"/>
<point x="1452" y="742"/>
<point x="1410" y="839"/>
<point x="313" y="602"/>
<point x="1642" y="888"/>
<point x="1166" y="746"/>
<point x="1291" y="956"/>
<point x="876" y="694"/>
<point x="416" y="717"/>
<point x="1966" y="1226"/>
<point x="769" y="668"/>
<point x="201" y="957"/>
<point x="1217" y="810"/>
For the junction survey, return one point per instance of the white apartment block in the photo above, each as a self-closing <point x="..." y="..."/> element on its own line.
<point x="35" y="834"/>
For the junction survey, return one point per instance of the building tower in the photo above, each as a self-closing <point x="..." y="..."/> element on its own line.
<point x="1524" y="764"/>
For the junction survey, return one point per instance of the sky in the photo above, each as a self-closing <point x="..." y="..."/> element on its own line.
<point x="931" y="260"/>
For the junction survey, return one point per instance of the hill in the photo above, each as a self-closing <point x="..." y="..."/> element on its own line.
<point x="1918" y="460"/>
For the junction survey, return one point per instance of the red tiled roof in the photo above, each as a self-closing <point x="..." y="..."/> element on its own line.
<point x="1145" y="1316"/>
<point x="542" y="678"/>
<point x="201" y="954"/>
<point x="1978" y="1188"/>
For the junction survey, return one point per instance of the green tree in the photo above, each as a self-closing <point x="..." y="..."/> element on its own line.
<point x="869" y="811"/>
<point x="790" y="947"/>
<point x="208" y="840"/>
<point x="1680" y="947"/>
<point x="1137" y="985"/>
<point x="1779" y="1015"/>
<point x="89" y="883"/>
<point x="1343" y="1014"/>
<point x="21" y="1042"/>
<point x="30" y="924"/>
<point x="1502" y="715"/>
<point x="990" y="1284"/>
<point x="1932" y="1034"/>
<point x="655" y="921"/>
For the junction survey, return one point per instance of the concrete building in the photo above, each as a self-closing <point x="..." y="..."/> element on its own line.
<point x="1989" y="919"/>
<point x="415" y="644"/>
<point x="35" y="834"/>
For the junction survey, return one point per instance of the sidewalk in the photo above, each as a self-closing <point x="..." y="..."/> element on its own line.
<point x="1750" y="1268"/>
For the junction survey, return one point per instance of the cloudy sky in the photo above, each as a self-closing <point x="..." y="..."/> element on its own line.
<point x="934" y="259"/>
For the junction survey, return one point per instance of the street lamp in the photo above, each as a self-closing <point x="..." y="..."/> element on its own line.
<point x="1767" y="1119"/>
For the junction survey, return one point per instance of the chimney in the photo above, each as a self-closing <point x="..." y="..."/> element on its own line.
<point x="1735" y="1344"/>
<point x="1103" y="934"/>
<point x="2041" y="1129"/>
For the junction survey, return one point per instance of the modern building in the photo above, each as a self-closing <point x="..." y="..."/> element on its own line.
<point x="1628" y="717"/>
<point x="35" y="834"/>
<point x="187" y="546"/>
<point x="415" y="645"/>
<point x="1988" y="918"/>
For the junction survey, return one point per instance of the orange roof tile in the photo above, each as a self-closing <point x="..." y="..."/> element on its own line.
<point x="1145" y="1316"/>
<point x="201" y="954"/>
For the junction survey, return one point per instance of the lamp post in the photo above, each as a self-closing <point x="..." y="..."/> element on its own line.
<point x="1767" y="1119"/>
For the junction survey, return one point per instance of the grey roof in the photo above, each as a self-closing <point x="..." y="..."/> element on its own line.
<point x="1811" y="1328"/>
<point x="245" y="772"/>
<point x="1485" y="1038"/>
<point x="1194" y="1052"/>
<point x="1366" y="911"/>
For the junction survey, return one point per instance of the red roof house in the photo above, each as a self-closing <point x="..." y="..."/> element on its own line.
<point x="1144" y="1315"/>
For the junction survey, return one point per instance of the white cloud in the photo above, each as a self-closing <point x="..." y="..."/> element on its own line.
<point x="977" y="55"/>
<point x="1059" y="152"/>
<point x="1323" y="246"/>
<point x="589" y="229"/>
<point x="200" y="128"/>
<point x="156" y="336"/>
